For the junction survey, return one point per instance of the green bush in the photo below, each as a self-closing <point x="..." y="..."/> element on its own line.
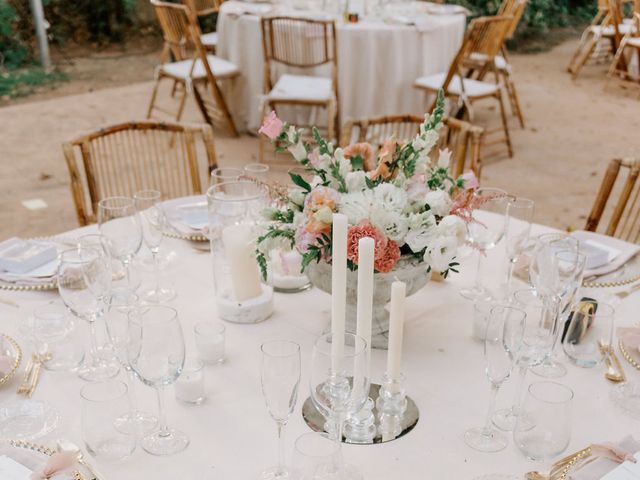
<point x="13" y="51"/>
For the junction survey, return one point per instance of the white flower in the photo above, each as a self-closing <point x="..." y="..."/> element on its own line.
<point x="400" y="181"/>
<point x="296" y="197"/>
<point x="439" y="201"/>
<point x="345" y="167"/>
<point x="390" y="197"/>
<point x="298" y="151"/>
<point x="324" y="215"/>
<point x="273" y="243"/>
<point x="393" y="224"/>
<point x="422" y="220"/>
<point x="445" y="158"/>
<point x="418" y="143"/>
<point x="356" y="206"/>
<point x="316" y="181"/>
<point x="356" y="181"/>
<point x="441" y="253"/>
<point x="453" y="226"/>
<point x="291" y="134"/>
<point x="338" y="155"/>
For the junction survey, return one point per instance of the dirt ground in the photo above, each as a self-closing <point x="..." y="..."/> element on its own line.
<point x="573" y="129"/>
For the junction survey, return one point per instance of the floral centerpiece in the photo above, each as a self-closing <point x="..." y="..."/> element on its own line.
<point x="409" y="204"/>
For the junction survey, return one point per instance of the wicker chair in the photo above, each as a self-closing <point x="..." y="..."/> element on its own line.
<point x="302" y="44"/>
<point x="484" y="39"/>
<point x="192" y="69"/>
<point x="624" y="213"/>
<point x="203" y="8"/>
<point x="123" y="159"/>
<point x="462" y="138"/>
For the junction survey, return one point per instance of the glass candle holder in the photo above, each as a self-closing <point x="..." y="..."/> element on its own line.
<point x="210" y="340"/>
<point x="285" y="272"/>
<point x="189" y="386"/>
<point x="235" y="215"/>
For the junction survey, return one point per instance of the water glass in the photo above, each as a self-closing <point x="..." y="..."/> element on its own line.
<point x="56" y="335"/>
<point x="102" y="405"/>
<point x="590" y="329"/>
<point x="210" y="340"/>
<point x="257" y="171"/>
<point x="225" y="174"/>
<point x="548" y="405"/>
<point x="190" y="386"/>
<point x="315" y="457"/>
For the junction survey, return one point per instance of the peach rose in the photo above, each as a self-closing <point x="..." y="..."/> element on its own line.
<point x="365" y="151"/>
<point x="318" y="207"/>
<point x="385" y="159"/>
<point x="365" y="229"/>
<point x="390" y="257"/>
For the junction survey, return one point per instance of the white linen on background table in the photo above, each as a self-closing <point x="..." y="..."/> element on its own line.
<point x="377" y="63"/>
<point x="233" y="436"/>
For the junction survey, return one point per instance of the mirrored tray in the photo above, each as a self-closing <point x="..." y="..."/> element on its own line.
<point x="316" y="421"/>
<point x="35" y="456"/>
<point x="9" y="347"/>
<point x="625" y="275"/>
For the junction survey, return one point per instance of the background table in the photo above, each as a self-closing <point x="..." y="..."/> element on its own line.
<point x="233" y="436"/>
<point x="377" y="63"/>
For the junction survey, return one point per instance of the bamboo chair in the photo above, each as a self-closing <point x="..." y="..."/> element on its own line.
<point x="125" y="158"/>
<point x="608" y="26"/>
<point x="303" y="44"/>
<point x="624" y="214"/>
<point x="630" y="42"/>
<point x="192" y="69"/>
<point x="462" y="138"/>
<point x="203" y="8"/>
<point x="484" y="38"/>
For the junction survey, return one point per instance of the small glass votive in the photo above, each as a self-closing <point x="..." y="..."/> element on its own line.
<point x="210" y="338"/>
<point x="257" y="171"/>
<point x="189" y="386"/>
<point x="57" y="338"/>
<point x="225" y="174"/>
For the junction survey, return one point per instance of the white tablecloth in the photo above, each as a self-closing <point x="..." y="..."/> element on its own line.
<point x="233" y="436"/>
<point x="377" y="63"/>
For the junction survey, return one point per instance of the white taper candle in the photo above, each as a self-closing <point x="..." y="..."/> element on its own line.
<point x="365" y="289"/>
<point x="396" y="328"/>
<point x="338" y="287"/>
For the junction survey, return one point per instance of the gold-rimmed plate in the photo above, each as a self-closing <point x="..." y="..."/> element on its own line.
<point x="34" y="456"/>
<point x="28" y="287"/>
<point x="10" y="348"/>
<point x="629" y="354"/>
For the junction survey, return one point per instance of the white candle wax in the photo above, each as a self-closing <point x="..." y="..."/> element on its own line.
<point x="285" y="270"/>
<point x="365" y="289"/>
<point x="190" y="387"/>
<point x="240" y="251"/>
<point x="396" y="327"/>
<point x="210" y="348"/>
<point x="338" y="287"/>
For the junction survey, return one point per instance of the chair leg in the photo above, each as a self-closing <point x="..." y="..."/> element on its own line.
<point x="513" y="98"/>
<point x="154" y="95"/>
<point x="581" y="61"/>
<point x="183" y="102"/>
<point x="505" y="125"/>
<point x="331" y="121"/>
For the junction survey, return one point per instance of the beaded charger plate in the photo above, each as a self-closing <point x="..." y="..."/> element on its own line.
<point x="34" y="456"/>
<point x="316" y="420"/>
<point x="9" y="347"/>
<point x="625" y="275"/>
<point x="175" y="209"/>
<point x="23" y="287"/>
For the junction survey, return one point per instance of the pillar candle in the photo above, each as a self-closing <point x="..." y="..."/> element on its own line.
<point x="240" y="252"/>
<point x="396" y="327"/>
<point x="338" y="287"/>
<point x="365" y="289"/>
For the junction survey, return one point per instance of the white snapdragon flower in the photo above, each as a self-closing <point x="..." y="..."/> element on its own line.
<point x="298" y="151"/>
<point x="315" y="181"/>
<point x="393" y="224"/>
<point x="291" y="134"/>
<point x="439" y="201"/>
<point x="445" y="158"/>
<point x="390" y="197"/>
<point x="356" y="181"/>
<point x="297" y="197"/>
<point x="356" y="206"/>
<point x="441" y="253"/>
<point x="418" y="143"/>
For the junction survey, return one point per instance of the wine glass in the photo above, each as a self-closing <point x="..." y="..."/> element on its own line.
<point x="537" y="341"/>
<point x="153" y="221"/>
<point x="156" y="353"/>
<point x="339" y="383"/>
<point x="121" y="303"/>
<point x="503" y="340"/>
<point x="96" y="240"/>
<point x="280" y="379"/>
<point x="121" y="231"/>
<point x="484" y="232"/>
<point x="517" y="229"/>
<point x="84" y="281"/>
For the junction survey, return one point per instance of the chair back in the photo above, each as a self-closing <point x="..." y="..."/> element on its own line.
<point x="462" y="138"/>
<point x="622" y="214"/>
<point x="614" y="18"/>
<point x="300" y="43"/>
<point x="203" y="8"/>
<point x="515" y="9"/>
<point x="176" y="30"/>
<point x="122" y="159"/>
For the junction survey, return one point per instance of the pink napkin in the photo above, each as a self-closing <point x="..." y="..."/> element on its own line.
<point x="6" y="363"/>
<point x="608" y="456"/>
<point x="56" y="464"/>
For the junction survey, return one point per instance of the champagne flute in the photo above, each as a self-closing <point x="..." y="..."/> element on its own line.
<point x="84" y="281"/>
<point x="153" y="224"/>
<point x="503" y="340"/>
<point x="517" y="229"/>
<point x="280" y="379"/>
<point x="121" y="231"/>
<point x="484" y="233"/>
<point x="156" y="353"/>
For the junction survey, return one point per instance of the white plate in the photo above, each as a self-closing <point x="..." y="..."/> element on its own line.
<point x="27" y="419"/>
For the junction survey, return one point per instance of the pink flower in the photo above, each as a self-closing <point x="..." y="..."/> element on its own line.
<point x="272" y="126"/>
<point x="365" y="229"/>
<point x="314" y="158"/>
<point x="319" y="207"/>
<point x="390" y="257"/>
<point x="304" y="239"/>
<point x="365" y="151"/>
<point x="385" y="159"/>
<point x="470" y="180"/>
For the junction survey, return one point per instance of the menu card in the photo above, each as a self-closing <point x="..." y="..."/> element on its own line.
<point x="625" y="471"/>
<point x="12" y="470"/>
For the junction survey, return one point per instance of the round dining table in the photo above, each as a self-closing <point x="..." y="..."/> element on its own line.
<point x="378" y="59"/>
<point x="234" y="438"/>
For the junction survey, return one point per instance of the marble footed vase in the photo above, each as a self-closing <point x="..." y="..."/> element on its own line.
<point x="411" y="271"/>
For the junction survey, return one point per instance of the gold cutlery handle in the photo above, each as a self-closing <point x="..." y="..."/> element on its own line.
<point x="616" y="362"/>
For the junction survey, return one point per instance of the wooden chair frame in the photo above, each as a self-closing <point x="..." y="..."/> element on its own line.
<point x="468" y="137"/>
<point x="619" y="66"/>
<point x="182" y="33"/>
<point x="203" y="8"/>
<point x="286" y="51"/>
<point x="88" y="169"/>
<point x="627" y="204"/>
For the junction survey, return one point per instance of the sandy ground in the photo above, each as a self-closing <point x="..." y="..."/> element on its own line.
<point x="573" y="129"/>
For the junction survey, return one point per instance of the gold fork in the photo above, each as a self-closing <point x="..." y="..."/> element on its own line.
<point x="26" y="380"/>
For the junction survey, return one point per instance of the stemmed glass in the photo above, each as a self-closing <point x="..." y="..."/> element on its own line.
<point x="537" y="341"/>
<point x="339" y="383"/>
<point x="84" y="281"/>
<point x="503" y="340"/>
<point x="121" y="303"/>
<point x="156" y="353"/>
<point x="517" y="229"/>
<point x="484" y="233"/>
<point x="120" y="228"/>
<point x="280" y="378"/>
<point x="153" y="224"/>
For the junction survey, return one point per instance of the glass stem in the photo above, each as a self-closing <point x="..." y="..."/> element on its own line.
<point x="133" y="399"/>
<point x="478" y="274"/>
<point x="512" y="265"/>
<point x="127" y="270"/>
<point x="162" y="417"/>
<point x="281" y="461"/>
<point x="522" y="371"/>
<point x="492" y="405"/>
<point x="93" y="338"/>
<point x="156" y="269"/>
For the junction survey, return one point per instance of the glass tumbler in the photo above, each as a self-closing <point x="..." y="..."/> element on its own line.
<point x="548" y="406"/>
<point x="590" y="330"/>
<point x="210" y="339"/>
<point x="103" y="404"/>
<point x="315" y="457"/>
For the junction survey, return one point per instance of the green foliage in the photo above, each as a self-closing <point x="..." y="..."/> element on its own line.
<point x="13" y="51"/>
<point x="18" y="83"/>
